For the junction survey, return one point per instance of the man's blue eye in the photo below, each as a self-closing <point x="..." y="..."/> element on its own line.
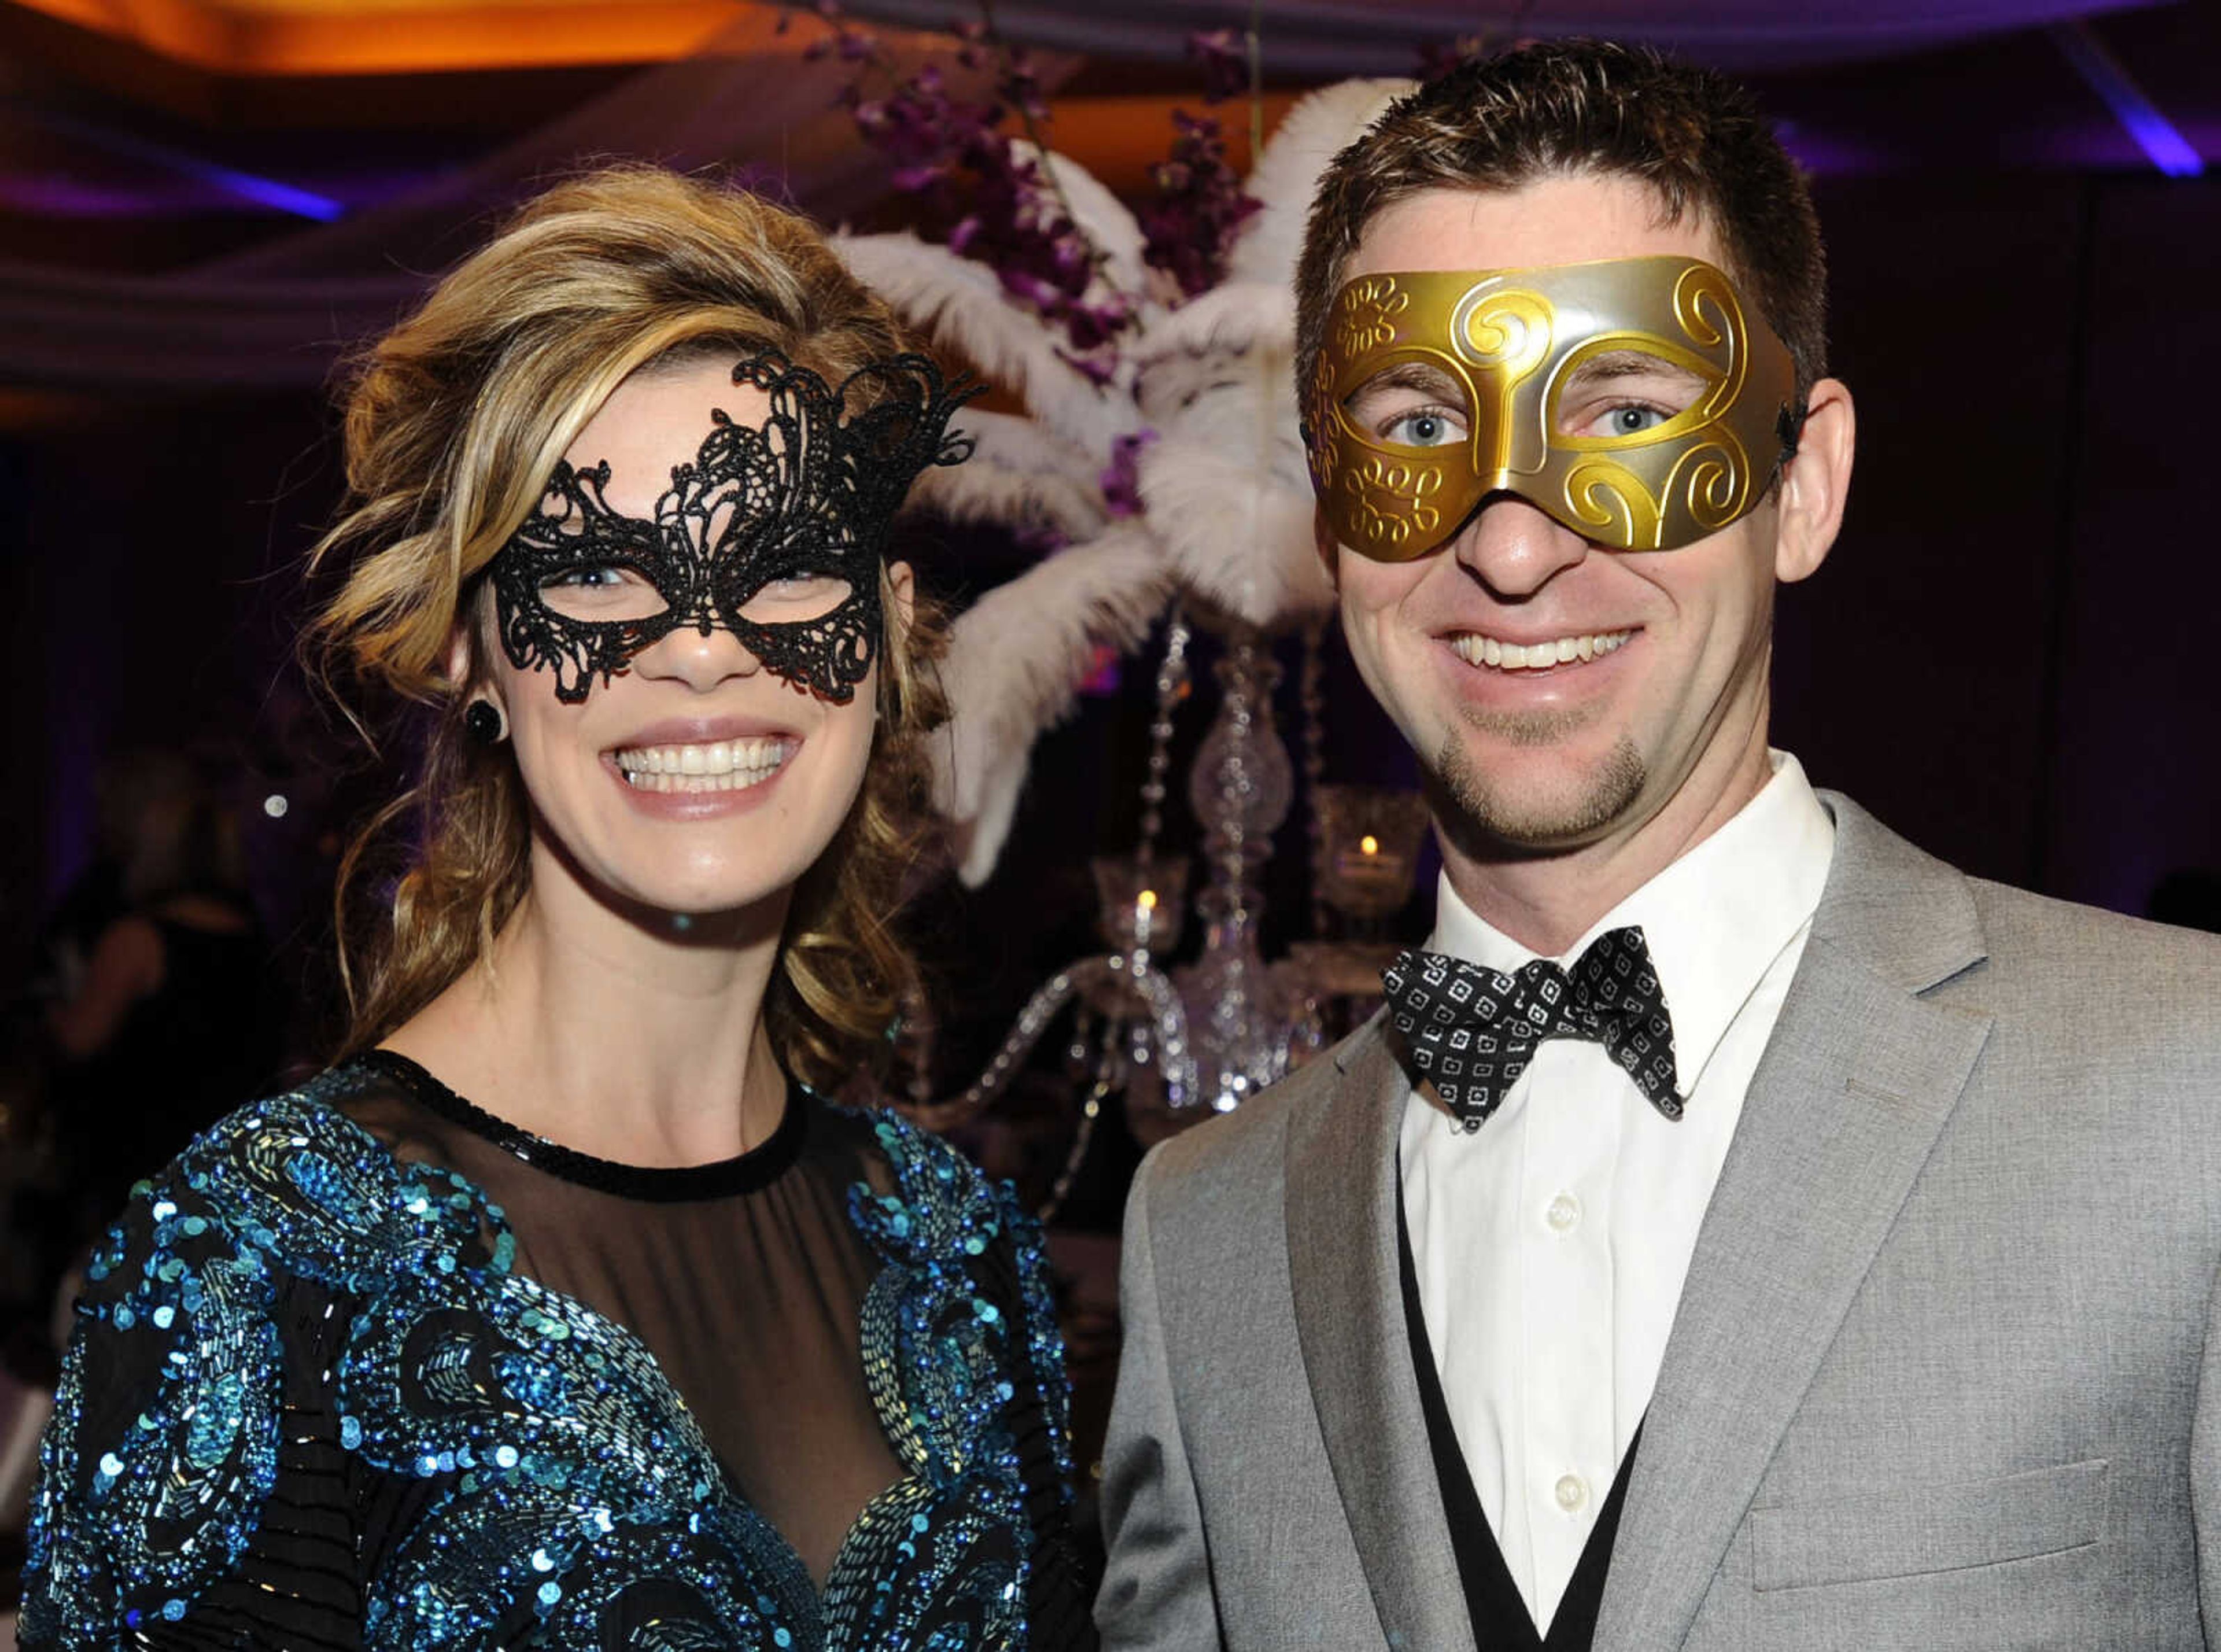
<point x="1421" y="429"/>
<point x="1632" y="421"/>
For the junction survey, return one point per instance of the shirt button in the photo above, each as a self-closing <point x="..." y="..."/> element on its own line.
<point x="1564" y="1214"/>
<point x="1573" y="1491"/>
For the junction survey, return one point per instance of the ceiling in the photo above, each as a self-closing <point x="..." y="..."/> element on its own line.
<point x="322" y="38"/>
<point x="365" y="142"/>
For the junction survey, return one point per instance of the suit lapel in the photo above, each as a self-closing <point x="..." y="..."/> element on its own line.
<point x="1847" y="1102"/>
<point x="1349" y="1322"/>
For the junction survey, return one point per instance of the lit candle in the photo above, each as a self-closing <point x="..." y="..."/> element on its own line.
<point x="1367" y="877"/>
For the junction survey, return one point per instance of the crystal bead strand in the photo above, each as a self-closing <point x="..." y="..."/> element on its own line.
<point x="1171" y="684"/>
<point x="1236" y="783"/>
<point x="1110" y="1077"/>
<point x="1172" y="680"/>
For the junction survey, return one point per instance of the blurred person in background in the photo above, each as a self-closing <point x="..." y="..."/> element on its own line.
<point x="168" y="1017"/>
<point x="153" y="1010"/>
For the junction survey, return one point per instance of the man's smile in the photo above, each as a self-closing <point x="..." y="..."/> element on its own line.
<point x="1478" y="648"/>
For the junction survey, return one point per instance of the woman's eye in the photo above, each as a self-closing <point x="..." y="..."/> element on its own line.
<point x="1425" y="426"/>
<point x="601" y="591"/>
<point x="797" y="586"/>
<point x="590" y="578"/>
<point x="796" y="598"/>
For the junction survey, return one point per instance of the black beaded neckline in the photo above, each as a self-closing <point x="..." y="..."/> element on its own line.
<point x="746" y="1173"/>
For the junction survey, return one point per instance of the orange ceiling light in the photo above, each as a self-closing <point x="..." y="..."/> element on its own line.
<point x="1120" y="138"/>
<point x="370" y="37"/>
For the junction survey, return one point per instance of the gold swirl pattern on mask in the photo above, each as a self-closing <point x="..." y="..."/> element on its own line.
<point x="1608" y="501"/>
<point x="1506" y="330"/>
<point x="1711" y="314"/>
<point x="1503" y="332"/>
<point x="1366" y="317"/>
<point x="1712" y="481"/>
<point x="1390" y="500"/>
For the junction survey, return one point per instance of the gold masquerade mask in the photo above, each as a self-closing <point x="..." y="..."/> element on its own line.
<point x="1636" y="400"/>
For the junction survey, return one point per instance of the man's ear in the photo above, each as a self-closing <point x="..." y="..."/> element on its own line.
<point x="1815" y="482"/>
<point x="1328" y="547"/>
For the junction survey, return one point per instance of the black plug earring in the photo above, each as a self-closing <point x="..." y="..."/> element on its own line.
<point x="482" y="721"/>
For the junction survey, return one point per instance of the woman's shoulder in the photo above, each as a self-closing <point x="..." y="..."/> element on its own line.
<point x="242" y="1269"/>
<point x="935" y="1200"/>
<point x="296" y="1179"/>
<point x="925" y="1167"/>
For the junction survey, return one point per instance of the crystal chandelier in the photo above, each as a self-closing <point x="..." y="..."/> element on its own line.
<point x="1202" y="1038"/>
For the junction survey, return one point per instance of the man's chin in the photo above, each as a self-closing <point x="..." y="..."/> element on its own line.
<point x="1533" y="804"/>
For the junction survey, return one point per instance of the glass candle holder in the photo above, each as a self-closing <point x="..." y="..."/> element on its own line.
<point x="1139" y="906"/>
<point x="1368" y="847"/>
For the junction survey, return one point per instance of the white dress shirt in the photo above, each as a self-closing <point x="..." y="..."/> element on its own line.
<point x="1551" y="1244"/>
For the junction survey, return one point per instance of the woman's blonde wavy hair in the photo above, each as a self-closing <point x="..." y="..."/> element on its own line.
<point x="453" y="421"/>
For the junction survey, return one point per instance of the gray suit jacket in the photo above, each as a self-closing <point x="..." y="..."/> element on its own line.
<point x="1944" y="1375"/>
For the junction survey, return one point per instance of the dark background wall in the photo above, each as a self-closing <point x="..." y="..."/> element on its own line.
<point x="2003" y="656"/>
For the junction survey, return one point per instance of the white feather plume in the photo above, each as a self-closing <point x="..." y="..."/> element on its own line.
<point x="1288" y="172"/>
<point x="1233" y="315"/>
<point x="1224" y="485"/>
<point x="1018" y="474"/>
<point x="963" y="306"/>
<point x="1015" y="660"/>
<point x="1228" y="507"/>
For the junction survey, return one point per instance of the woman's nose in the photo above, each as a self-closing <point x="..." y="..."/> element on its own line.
<point x="701" y="658"/>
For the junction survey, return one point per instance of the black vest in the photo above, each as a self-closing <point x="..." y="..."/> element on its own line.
<point x="1500" y="1618"/>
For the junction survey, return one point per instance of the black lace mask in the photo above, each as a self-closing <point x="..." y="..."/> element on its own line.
<point x="775" y="533"/>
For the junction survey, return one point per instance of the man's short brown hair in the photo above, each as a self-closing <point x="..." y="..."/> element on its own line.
<point x="1696" y="137"/>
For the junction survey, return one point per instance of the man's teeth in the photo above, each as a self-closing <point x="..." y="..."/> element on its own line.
<point x="724" y="765"/>
<point x="1477" y="650"/>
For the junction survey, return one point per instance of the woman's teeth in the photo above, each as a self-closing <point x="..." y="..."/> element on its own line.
<point x="1477" y="650"/>
<point x="726" y="766"/>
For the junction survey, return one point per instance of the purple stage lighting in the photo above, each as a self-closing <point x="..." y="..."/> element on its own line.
<point x="2139" y="116"/>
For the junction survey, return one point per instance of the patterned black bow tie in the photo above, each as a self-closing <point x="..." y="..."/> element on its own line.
<point x="1472" y="1031"/>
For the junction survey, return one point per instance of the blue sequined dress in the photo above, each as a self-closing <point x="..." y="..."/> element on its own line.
<point x="368" y="1367"/>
